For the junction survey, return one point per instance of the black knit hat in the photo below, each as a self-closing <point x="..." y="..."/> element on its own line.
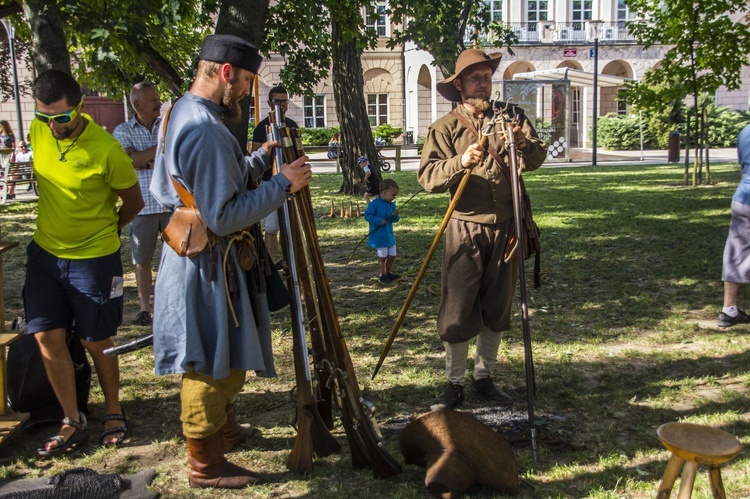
<point x="232" y="49"/>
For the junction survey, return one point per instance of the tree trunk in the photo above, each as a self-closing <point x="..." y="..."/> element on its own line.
<point x="246" y="19"/>
<point x="706" y="145"/>
<point x="686" y="176"/>
<point x="49" y="46"/>
<point x="356" y="135"/>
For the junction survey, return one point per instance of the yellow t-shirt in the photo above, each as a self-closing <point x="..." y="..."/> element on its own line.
<point x="77" y="215"/>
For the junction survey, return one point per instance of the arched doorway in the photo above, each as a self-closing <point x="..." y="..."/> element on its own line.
<point x="424" y="101"/>
<point x="609" y="101"/>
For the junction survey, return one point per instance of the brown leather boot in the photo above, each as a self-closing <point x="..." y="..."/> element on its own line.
<point x="233" y="432"/>
<point x="209" y="468"/>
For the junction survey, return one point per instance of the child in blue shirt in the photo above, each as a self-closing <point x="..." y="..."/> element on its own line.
<point x="382" y="213"/>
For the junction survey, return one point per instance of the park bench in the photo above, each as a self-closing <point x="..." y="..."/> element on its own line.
<point x="395" y="149"/>
<point x="17" y="173"/>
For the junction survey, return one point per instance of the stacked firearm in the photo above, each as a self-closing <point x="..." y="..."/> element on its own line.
<point x="331" y="377"/>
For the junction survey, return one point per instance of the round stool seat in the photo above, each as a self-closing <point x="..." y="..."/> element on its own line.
<point x="702" y="444"/>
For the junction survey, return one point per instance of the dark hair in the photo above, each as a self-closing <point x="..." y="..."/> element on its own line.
<point x="387" y="184"/>
<point x="53" y="85"/>
<point x="276" y="90"/>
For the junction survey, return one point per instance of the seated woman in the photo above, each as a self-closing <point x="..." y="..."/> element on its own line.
<point x="333" y="146"/>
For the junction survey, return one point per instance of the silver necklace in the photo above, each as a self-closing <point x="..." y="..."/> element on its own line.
<point x="63" y="153"/>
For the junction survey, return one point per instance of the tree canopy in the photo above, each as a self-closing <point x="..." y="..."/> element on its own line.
<point x="708" y="49"/>
<point x="114" y="44"/>
<point x="444" y="25"/>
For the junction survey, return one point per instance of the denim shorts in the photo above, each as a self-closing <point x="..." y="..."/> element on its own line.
<point x="272" y="223"/>
<point x="59" y="292"/>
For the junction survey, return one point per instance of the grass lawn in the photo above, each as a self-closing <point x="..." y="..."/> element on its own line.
<point x="624" y="332"/>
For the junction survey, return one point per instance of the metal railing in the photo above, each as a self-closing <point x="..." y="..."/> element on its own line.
<point x="559" y="32"/>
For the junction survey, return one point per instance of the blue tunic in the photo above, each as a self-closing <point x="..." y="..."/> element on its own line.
<point x="193" y="326"/>
<point x="381" y="236"/>
<point x="742" y="194"/>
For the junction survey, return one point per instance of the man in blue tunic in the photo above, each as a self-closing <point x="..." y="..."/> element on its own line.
<point x="201" y="330"/>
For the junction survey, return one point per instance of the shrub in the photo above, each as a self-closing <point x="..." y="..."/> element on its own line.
<point x="725" y="125"/>
<point x="623" y="132"/>
<point x="386" y="132"/>
<point x="317" y="136"/>
<point x="420" y="143"/>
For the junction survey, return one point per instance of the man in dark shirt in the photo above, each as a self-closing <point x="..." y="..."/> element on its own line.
<point x="277" y="96"/>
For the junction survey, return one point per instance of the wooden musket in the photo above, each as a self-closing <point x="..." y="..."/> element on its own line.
<point x="313" y="435"/>
<point x="330" y="355"/>
<point x="508" y="130"/>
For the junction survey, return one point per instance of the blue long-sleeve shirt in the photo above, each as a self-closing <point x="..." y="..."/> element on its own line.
<point x="742" y="194"/>
<point x="381" y="236"/>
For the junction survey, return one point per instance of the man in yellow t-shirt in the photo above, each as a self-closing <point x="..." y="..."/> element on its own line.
<point x="74" y="269"/>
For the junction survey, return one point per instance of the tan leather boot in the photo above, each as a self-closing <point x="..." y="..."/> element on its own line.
<point x="210" y="469"/>
<point x="233" y="432"/>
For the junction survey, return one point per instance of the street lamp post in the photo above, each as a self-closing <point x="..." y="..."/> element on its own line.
<point x="596" y="98"/>
<point x="11" y="46"/>
<point x="595" y="25"/>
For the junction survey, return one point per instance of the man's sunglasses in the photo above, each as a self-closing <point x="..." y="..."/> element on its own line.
<point x="60" y="119"/>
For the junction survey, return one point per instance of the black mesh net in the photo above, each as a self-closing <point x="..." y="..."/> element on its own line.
<point x="75" y="484"/>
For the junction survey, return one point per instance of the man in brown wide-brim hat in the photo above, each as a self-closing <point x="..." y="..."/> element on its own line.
<point x="478" y="283"/>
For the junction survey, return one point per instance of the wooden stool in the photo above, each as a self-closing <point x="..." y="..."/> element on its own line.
<point x="692" y="445"/>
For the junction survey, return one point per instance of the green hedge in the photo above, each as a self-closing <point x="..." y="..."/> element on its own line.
<point x="321" y="136"/>
<point x="622" y="132"/>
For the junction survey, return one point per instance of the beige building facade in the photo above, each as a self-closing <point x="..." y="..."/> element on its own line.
<point x="399" y="83"/>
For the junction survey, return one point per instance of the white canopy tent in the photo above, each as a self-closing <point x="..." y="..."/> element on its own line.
<point x="577" y="78"/>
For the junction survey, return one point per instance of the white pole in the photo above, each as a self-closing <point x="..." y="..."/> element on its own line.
<point x="11" y="45"/>
<point x="640" y="118"/>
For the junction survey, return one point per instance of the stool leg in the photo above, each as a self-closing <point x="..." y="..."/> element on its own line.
<point x="670" y="475"/>
<point x="717" y="487"/>
<point x="687" y="480"/>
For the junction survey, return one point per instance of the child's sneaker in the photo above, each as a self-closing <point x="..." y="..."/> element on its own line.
<point x="393" y="276"/>
<point x="384" y="279"/>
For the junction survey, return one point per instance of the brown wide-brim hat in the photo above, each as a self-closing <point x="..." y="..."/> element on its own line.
<point x="459" y="451"/>
<point x="467" y="59"/>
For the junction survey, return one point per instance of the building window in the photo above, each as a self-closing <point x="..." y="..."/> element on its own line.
<point x="622" y="107"/>
<point x="496" y="10"/>
<point x="623" y="13"/>
<point x="537" y="11"/>
<point x="377" y="19"/>
<point x="576" y="106"/>
<point x="314" y="107"/>
<point x="377" y="109"/>
<point x="582" y="12"/>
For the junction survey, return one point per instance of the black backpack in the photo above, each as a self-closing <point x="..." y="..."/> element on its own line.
<point x="29" y="389"/>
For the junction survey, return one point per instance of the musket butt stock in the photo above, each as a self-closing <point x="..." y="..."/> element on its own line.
<point x="333" y="367"/>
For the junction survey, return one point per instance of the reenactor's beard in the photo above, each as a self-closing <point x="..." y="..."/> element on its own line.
<point x="481" y="105"/>
<point x="231" y="103"/>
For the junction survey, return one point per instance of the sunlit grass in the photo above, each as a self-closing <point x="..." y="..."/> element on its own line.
<point x="623" y="328"/>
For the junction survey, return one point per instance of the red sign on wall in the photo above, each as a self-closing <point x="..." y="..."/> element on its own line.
<point x="570" y="52"/>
